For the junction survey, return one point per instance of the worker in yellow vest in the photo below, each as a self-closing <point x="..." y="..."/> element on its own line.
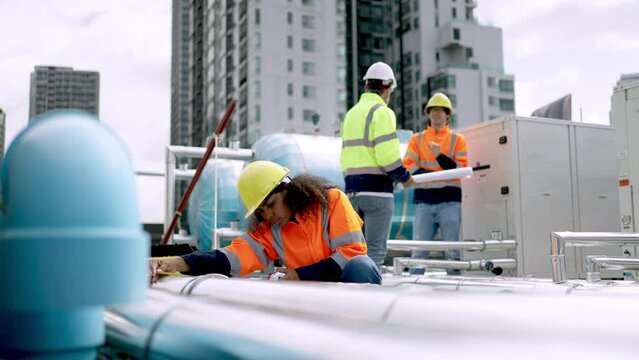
<point x="438" y="202"/>
<point x="370" y="158"/>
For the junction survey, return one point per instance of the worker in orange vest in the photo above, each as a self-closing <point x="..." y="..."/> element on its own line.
<point x="438" y="202"/>
<point x="308" y="225"/>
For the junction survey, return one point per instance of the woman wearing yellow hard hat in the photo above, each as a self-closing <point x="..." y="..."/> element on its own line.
<point x="309" y="225"/>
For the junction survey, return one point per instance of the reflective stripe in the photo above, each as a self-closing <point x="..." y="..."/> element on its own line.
<point x="383" y="138"/>
<point x="236" y="267"/>
<point x="371" y="193"/>
<point x="278" y="243"/>
<point x="429" y="164"/>
<point x="340" y="259"/>
<point x="412" y="155"/>
<point x="394" y="165"/>
<point x="365" y="141"/>
<point x="258" y="249"/>
<point x="347" y="239"/>
<point x="325" y="223"/>
<point x="453" y="138"/>
<point x="369" y="120"/>
<point x="413" y="169"/>
<point x="370" y="170"/>
<point x="437" y="184"/>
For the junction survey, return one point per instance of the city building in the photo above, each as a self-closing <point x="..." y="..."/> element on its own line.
<point x="54" y="88"/>
<point x="297" y="65"/>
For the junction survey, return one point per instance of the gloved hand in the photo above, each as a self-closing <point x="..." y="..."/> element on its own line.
<point x="435" y="148"/>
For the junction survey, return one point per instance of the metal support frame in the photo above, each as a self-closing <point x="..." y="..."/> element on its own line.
<point x="472" y="265"/>
<point x="558" y="241"/>
<point x="594" y="264"/>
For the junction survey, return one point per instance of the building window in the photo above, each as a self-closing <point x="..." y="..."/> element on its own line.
<point x="308" y="45"/>
<point x="257" y="89"/>
<point x="469" y="52"/>
<point x="308" y="115"/>
<point x="436" y="20"/>
<point x="257" y="64"/>
<point x="456" y="34"/>
<point x="308" y="22"/>
<point x="308" y="92"/>
<point x="506" y="105"/>
<point x="492" y="101"/>
<point x="341" y="96"/>
<point x="257" y="40"/>
<point x="308" y="2"/>
<point x="437" y="56"/>
<point x="290" y="113"/>
<point x="454" y="13"/>
<point x="289" y="89"/>
<point x="289" y="65"/>
<point x="491" y="81"/>
<point x="506" y="85"/>
<point x="416" y="23"/>
<point x="289" y="18"/>
<point x="289" y="41"/>
<point x="257" y="16"/>
<point x="308" y="68"/>
<point x="257" y="114"/>
<point x="436" y="4"/>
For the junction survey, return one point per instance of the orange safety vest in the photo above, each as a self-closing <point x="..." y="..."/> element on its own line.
<point x="418" y="154"/>
<point x="335" y="232"/>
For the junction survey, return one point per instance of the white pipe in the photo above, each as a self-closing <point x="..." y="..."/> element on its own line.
<point x="444" y="175"/>
<point x="434" y="245"/>
<point x="399" y="263"/>
<point x="169" y="188"/>
<point x="221" y="152"/>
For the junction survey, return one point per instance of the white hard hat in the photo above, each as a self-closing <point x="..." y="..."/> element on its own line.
<point x="381" y="71"/>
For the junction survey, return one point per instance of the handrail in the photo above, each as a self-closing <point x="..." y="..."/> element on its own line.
<point x="594" y="264"/>
<point x="482" y="265"/>
<point x="479" y="245"/>
<point x="558" y="241"/>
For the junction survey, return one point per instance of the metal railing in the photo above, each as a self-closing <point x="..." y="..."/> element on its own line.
<point x="558" y="241"/>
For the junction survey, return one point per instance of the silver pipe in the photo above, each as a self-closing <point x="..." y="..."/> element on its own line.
<point x="169" y="188"/>
<point x="473" y="265"/>
<point x="480" y="245"/>
<point x="221" y="152"/>
<point x="558" y="241"/>
<point x="594" y="264"/>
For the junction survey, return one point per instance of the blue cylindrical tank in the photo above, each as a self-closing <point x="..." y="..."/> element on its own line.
<point x="70" y="238"/>
<point x="202" y="201"/>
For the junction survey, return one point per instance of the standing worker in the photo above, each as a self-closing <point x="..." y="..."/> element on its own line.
<point x="305" y="223"/>
<point x="370" y="158"/>
<point x="438" y="202"/>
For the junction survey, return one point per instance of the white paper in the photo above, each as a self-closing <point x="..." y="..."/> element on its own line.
<point x="444" y="175"/>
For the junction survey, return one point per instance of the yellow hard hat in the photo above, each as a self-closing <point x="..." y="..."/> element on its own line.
<point x="256" y="182"/>
<point x="439" y="100"/>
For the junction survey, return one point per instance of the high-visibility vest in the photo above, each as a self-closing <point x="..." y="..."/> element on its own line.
<point x="321" y="232"/>
<point x="418" y="154"/>
<point x="370" y="147"/>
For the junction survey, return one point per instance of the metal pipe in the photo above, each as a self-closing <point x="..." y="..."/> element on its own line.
<point x="558" y="241"/>
<point x="480" y="245"/>
<point x="220" y="152"/>
<point x="473" y="265"/>
<point x="169" y="187"/>
<point x="594" y="264"/>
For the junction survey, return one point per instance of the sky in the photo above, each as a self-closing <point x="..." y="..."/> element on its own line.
<point x="553" y="48"/>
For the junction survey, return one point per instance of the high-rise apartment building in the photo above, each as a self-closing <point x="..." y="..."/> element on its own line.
<point x="180" y="86"/>
<point x="54" y="88"/>
<point x="3" y="119"/>
<point x="294" y="63"/>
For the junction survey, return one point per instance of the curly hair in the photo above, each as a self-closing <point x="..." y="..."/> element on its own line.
<point x="303" y="191"/>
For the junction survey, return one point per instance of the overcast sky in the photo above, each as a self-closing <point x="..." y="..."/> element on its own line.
<point x="551" y="47"/>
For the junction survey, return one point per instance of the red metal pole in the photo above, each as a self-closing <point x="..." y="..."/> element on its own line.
<point x="209" y="150"/>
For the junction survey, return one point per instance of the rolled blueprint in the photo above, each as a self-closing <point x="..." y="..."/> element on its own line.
<point x="444" y="175"/>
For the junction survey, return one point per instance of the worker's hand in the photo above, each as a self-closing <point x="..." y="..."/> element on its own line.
<point x="290" y="274"/>
<point x="410" y="182"/>
<point x="166" y="265"/>
<point x="435" y="148"/>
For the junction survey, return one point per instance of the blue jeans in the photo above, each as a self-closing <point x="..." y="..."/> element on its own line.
<point x="361" y="269"/>
<point x="432" y="217"/>
<point x="377" y="213"/>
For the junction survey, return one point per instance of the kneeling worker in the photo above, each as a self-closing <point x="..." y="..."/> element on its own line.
<point x="307" y="224"/>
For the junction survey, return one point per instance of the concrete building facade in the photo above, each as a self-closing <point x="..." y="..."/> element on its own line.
<point x="54" y="88"/>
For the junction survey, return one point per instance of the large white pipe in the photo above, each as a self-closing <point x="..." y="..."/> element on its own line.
<point x="480" y="245"/>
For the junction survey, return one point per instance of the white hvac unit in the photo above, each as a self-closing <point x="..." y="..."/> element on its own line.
<point x="625" y="118"/>
<point x="534" y="176"/>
